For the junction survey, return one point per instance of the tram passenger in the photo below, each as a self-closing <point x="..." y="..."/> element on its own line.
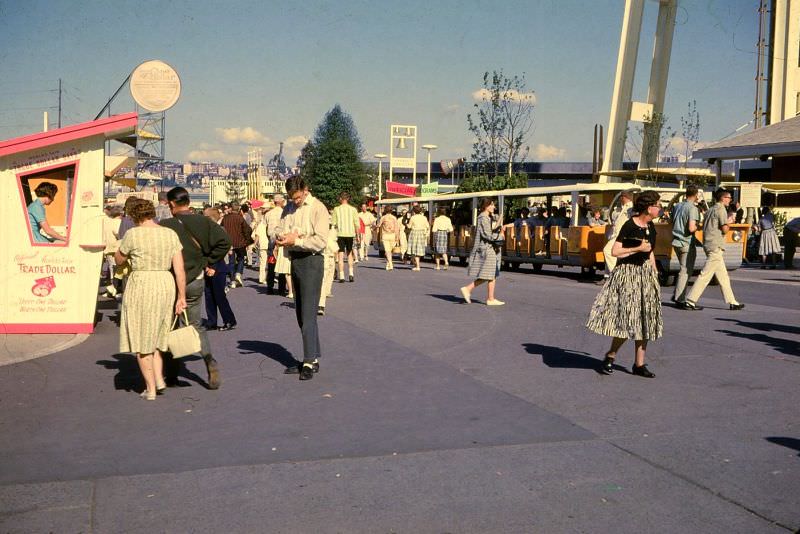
<point x="595" y="217"/>
<point x="484" y="260"/>
<point x="629" y="305"/>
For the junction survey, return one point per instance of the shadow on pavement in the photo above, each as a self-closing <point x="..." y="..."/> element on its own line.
<point x="128" y="377"/>
<point x="273" y="351"/>
<point x="791" y="443"/>
<point x="783" y="346"/>
<point x="565" y="359"/>
<point x="764" y="327"/>
<point x="448" y="298"/>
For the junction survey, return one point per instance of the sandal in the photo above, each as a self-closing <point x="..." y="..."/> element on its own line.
<point x="607" y="367"/>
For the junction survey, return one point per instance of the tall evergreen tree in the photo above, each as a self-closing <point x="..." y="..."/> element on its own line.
<point x="332" y="160"/>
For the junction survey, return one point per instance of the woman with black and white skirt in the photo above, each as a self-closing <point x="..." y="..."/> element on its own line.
<point x="769" y="245"/>
<point x="629" y="305"/>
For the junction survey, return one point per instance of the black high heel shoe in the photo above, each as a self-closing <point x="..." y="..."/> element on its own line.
<point x="607" y="367"/>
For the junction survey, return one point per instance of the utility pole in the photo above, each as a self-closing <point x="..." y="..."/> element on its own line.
<point x="760" y="64"/>
<point x="59" y="102"/>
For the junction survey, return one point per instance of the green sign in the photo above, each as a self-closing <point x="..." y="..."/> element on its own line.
<point x="427" y="190"/>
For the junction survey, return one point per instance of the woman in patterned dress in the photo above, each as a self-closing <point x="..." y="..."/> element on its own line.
<point x="484" y="260"/>
<point x="442" y="226"/>
<point x="418" y="238"/>
<point x="769" y="244"/>
<point x="149" y="300"/>
<point x="629" y="305"/>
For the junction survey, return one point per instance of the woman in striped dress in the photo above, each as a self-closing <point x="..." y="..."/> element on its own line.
<point x="149" y="300"/>
<point x="484" y="260"/>
<point x="418" y="238"/>
<point x="769" y="244"/>
<point x="629" y="305"/>
<point x="442" y="226"/>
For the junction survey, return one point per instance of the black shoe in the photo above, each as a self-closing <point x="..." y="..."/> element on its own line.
<point x="341" y="280"/>
<point x="352" y="279"/>
<point x="321" y="310"/>
<point x="686" y="305"/>
<point x="295" y="369"/>
<point x="607" y="367"/>
<point x="736" y="307"/>
<point x="227" y="326"/>
<point x="642" y="371"/>
<point x="270" y="291"/>
<point x="307" y="371"/>
<point x="215" y="327"/>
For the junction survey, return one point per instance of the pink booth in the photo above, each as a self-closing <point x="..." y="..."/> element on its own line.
<point x="50" y="286"/>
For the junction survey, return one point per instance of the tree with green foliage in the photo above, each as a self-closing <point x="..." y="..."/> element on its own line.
<point x="504" y="117"/>
<point x="483" y="182"/>
<point x="332" y="159"/>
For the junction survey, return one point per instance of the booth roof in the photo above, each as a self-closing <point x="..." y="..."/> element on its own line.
<point x="110" y="127"/>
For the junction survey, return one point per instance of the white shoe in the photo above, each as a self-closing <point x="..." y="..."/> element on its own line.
<point x="494" y="302"/>
<point x="465" y="294"/>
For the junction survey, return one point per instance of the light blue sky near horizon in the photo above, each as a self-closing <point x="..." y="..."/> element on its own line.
<point x="277" y="67"/>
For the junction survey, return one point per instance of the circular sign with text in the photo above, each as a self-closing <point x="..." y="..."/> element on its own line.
<point x="155" y="85"/>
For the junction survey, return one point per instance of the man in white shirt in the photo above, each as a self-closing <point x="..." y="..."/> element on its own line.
<point x="303" y="230"/>
<point x="345" y="219"/>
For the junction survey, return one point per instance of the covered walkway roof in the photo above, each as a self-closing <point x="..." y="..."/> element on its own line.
<point x="779" y="139"/>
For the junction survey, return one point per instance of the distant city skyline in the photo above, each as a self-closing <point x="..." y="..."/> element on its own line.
<point x="255" y="74"/>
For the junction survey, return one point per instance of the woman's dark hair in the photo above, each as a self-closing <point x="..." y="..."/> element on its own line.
<point x="179" y="195"/>
<point x="244" y="208"/>
<point x="417" y="209"/>
<point x="295" y="183"/>
<point x="114" y="210"/>
<point x="485" y="202"/>
<point x="46" y="189"/>
<point x="142" y="210"/>
<point x="644" y="200"/>
<point x="764" y="210"/>
<point x="441" y="210"/>
<point x="387" y="209"/>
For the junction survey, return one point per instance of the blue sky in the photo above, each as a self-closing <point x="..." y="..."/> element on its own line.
<point x="277" y="67"/>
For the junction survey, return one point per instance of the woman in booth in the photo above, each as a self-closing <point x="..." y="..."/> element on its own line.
<point x="484" y="260"/>
<point x="149" y="299"/>
<point x="41" y="230"/>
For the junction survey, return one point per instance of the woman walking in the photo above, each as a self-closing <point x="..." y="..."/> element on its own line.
<point x="629" y="305"/>
<point x="388" y="228"/>
<point x="442" y="226"/>
<point x="418" y="237"/>
<point x="769" y="245"/>
<point x="484" y="260"/>
<point x="149" y="299"/>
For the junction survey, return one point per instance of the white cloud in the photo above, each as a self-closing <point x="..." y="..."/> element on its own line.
<point x="544" y="152"/>
<point x="292" y="147"/>
<point x="512" y="95"/>
<point x="452" y="109"/>
<point x="242" y="136"/>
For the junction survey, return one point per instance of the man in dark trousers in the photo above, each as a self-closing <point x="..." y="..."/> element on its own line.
<point x="204" y="244"/>
<point x="303" y="230"/>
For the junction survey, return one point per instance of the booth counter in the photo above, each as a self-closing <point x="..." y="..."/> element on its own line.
<point x="51" y="286"/>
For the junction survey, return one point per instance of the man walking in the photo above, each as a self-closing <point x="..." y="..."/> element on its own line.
<point x="714" y="230"/>
<point x="367" y="219"/>
<point x="204" y="244"/>
<point x="240" y="235"/>
<point x="345" y="219"/>
<point x="686" y="219"/>
<point x="303" y="230"/>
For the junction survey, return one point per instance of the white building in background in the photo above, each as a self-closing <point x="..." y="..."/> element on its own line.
<point x="784" y="77"/>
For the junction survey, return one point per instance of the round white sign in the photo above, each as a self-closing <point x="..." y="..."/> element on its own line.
<point x="155" y="85"/>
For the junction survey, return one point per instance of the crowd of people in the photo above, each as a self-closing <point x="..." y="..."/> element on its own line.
<point x="167" y="260"/>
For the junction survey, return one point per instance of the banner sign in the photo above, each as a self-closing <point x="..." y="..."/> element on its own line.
<point x="404" y="190"/>
<point x="429" y="190"/>
<point x="403" y="163"/>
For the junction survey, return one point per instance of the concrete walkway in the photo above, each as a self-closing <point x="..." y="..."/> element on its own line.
<point x="428" y="415"/>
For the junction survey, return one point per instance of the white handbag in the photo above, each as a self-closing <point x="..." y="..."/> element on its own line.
<point x="183" y="341"/>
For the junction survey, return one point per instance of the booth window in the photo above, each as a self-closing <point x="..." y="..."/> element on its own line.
<point x="48" y="201"/>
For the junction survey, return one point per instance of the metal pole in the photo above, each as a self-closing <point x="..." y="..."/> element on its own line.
<point x="429" y="166"/>
<point x="59" y="102"/>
